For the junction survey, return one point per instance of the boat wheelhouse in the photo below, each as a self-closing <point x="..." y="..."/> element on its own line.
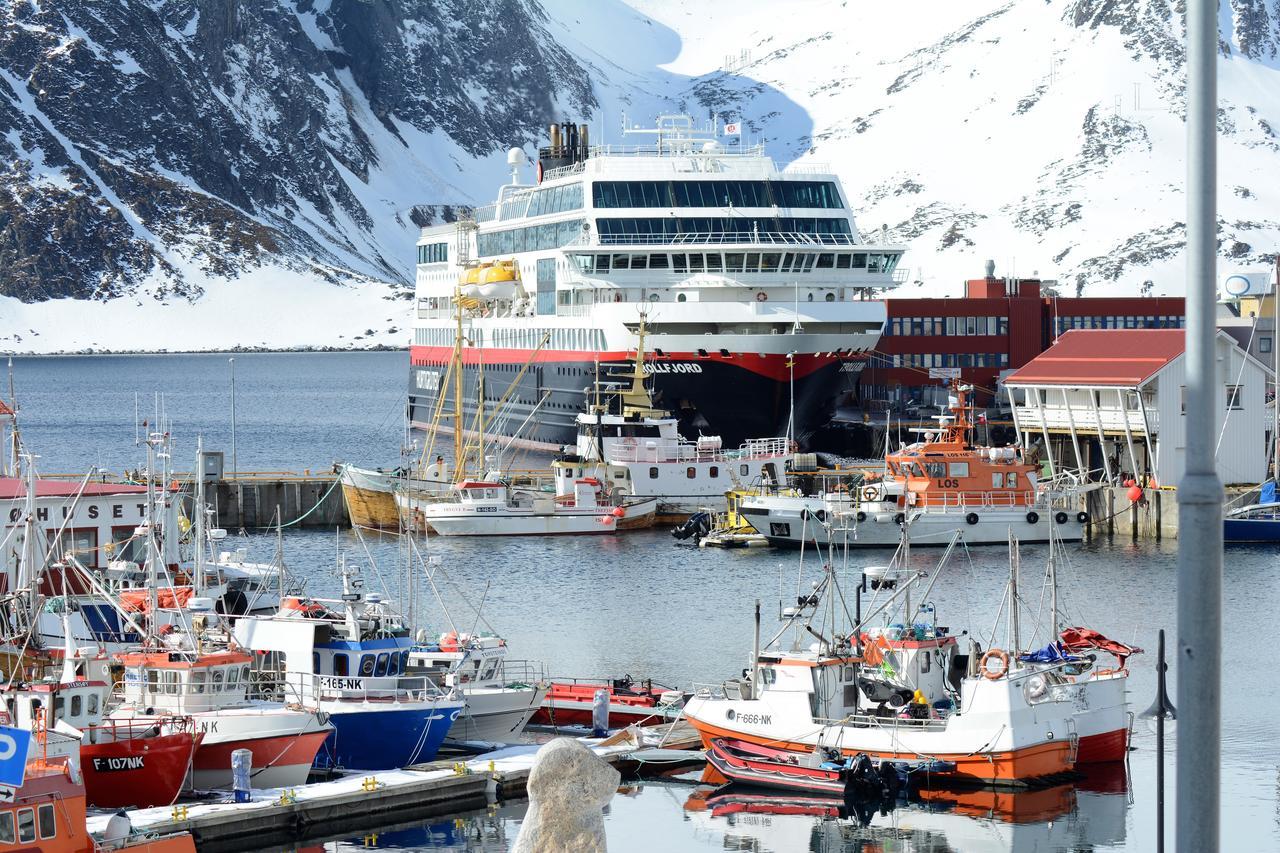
<point x="755" y="280"/>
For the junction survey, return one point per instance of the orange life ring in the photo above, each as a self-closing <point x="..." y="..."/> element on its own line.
<point x="762" y="297"/>
<point x="1000" y="655"/>
<point x="449" y="642"/>
<point x="869" y="493"/>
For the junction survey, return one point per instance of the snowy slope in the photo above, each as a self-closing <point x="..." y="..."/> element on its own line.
<point x="206" y="173"/>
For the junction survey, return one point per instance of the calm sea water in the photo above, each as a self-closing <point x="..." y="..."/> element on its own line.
<point x="643" y="605"/>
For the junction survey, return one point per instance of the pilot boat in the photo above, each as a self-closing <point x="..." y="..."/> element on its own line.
<point x="349" y="659"/>
<point x="933" y="488"/>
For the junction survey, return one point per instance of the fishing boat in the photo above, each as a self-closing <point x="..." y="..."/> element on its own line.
<point x="494" y="508"/>
<point x="501" y="695"/>
<point x="807" y="695"/>
<point x="637" y="448"/>
<point x="349" y="658"/>
<point x="936" y="486"/>
<point x="370" y="496"/>
<point x="570" y="702"/>
<point x="1256" y="522"/>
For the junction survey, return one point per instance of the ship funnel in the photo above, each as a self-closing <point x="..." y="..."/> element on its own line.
<point x="991" y="269"/>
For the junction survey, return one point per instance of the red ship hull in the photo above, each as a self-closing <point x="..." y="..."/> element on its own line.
<point x="570" y="704"/>
<point x="138" y="772"/>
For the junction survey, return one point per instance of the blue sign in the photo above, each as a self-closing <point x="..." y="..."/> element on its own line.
<point x="14" y="744"/>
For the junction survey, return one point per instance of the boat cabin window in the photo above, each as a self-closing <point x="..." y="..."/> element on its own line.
<point x="26" y="826"/>
<point x="768" y="675"/>
<point x="404" y="662"/>
<point x="93" y="703"/>
<point x="59" y="707"/>
<point x="77" y="705"/>
<point x="893" y="468"/>
<point x="691" y="472"/>
<point x="744" y="470"/>
<point x="198" y="679"/>
<point x="714" y="471"/>
<point x="153" y="681"/>
<point x="169" y="681"/>
<point x="315" y="662"/>
<point x="6" y="828"/>
<point x="936" y="470"/>
<point x="653" y="472"/>
<point x="489" y="670"/>
<point x="1011" y="480"/>
<point x="233" y="677"/>
<point x="244" y="673"/>
<point x="959" y="469"/>
<point x="48" y="821"/>
<point x="216" y="680"/>
<point x="380" y="668"/>
<point x="366" y="665"/>
<point x="340" y="664"/>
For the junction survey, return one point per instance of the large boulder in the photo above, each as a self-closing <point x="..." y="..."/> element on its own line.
<point x="568" y="788"/>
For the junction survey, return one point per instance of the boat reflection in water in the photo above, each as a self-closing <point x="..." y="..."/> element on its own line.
<point x="492" y="830"/>
<point x="1086" y="814"/>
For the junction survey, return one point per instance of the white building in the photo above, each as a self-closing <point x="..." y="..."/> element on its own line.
<point x="1110" y="404"/>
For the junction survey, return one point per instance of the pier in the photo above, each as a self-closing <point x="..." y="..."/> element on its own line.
<point x="252" y="498"/>
<point x="370" y="800"/>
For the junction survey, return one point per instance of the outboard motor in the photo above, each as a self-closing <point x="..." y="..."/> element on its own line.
<point x="697" y="525"/>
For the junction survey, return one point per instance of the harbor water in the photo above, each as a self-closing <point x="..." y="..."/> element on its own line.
<point x="640" y="604"/>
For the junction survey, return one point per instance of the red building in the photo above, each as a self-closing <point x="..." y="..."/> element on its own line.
<point x="998" y="326"/>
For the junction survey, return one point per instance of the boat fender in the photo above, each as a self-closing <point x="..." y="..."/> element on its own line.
<point x="1000" y="655"/>
<point x="899" y="518"/>
<point x="804" y="515"/>
<point x="862" y="516"/>
<point x="1036" y="687"/>
<point x="1082" y="517"/>
<point x="1060" y="517"/>
<point x="821" y="515"/>
<point x="762" y="297"/>
<point x="1033" y="518"/>
<point x="971" y="518"/>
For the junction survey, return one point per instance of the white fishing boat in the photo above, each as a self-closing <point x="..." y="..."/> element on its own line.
<point x="500" y="694"/>
<point x="638" y="450"/>
<point x="494" y="508"/>
<point x="829" y="694"/>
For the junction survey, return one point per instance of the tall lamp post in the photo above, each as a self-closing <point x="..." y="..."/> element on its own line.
<point x="1200" y="493"/>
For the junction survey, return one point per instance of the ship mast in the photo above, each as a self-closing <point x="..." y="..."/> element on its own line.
<point x="457" y="386"/>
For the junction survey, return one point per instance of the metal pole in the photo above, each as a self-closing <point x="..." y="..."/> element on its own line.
<point x="235" y="469"/>
<point x="1200" y="493"/>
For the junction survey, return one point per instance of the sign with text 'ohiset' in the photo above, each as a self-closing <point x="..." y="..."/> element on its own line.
<point x="14" y="744"/>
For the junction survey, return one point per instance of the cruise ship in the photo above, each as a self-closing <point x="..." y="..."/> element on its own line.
<point x="760" y="296"/>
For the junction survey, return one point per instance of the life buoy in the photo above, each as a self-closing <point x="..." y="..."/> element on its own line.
<point x="1033" y="518"/>
<point x="1000" y="655"/>
<point x="971" y="518"/>
<point x="1082" y="517"/>
<point x="1037" y="687"/>
<point x="762" y="297"/>
<point x="449" y="642"/>
<point x="869" y="493"/>
<point x="1060" y="517"/>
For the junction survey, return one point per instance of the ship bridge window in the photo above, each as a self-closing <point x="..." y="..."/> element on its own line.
<point x="695" y="262"/>
<point x="769" y="261"/>
<point x="826" y="261"/>
<point x="959" y="469"/>
<point x="733" y="261"/>
<point x="714" y="263"/>
<point x="639" y="262"/>
<point x="752" y="263"/>
<point x="680" y="263"/>
<point x="859" y="260"/>
<point x="842" y="261"/>
<point x="380" y="668"/>
<point x="658" y="262"/>
<point x="340" y="664"/>
<point x="621" y="262"/>
<point x="433" y="253"/>
<point x="584" y="263"/>
<point x="935" y="469"/>
<point x="813" y="194"/>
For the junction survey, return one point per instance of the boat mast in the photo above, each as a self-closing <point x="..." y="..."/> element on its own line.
<point x="1053" y="590"/>
<point x="198" y="525"/>
<point x="457" y="386"/>
<point x="1275" y="378"/>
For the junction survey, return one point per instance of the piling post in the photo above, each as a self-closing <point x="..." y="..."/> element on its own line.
<point x="1200" y="493"/>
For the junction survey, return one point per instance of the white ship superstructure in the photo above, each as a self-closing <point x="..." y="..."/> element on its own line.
<point x="759" y="291"/>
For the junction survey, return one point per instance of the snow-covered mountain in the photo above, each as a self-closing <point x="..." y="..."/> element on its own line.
<point x="205" y="173"/>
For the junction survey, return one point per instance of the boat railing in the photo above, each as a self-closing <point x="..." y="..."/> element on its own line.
<point x="949" y="501"/>
<point x="676" y="450"/>
<point x="305" y="687"/>
<point x="893" y="722"/>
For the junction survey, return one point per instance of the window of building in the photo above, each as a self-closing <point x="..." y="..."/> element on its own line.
<point x="1235" y="397"/>
<point x="1264" y="344"/>
<point x="1182" y="399"/>
<point x="82" y="542"/>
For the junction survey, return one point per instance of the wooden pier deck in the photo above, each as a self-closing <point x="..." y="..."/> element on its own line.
<point x="371" y="800"/>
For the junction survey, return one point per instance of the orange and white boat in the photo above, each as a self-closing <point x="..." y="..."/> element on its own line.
<point x="933" y="487"/>
<point x="836" y="694"/>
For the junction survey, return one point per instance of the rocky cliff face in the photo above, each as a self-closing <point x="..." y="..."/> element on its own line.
<point x="162" y="143"/>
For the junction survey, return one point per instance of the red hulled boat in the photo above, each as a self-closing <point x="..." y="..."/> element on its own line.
<point x="569" y="702"/>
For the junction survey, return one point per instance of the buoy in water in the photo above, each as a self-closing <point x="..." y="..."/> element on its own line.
<point x="1134" y="494"/>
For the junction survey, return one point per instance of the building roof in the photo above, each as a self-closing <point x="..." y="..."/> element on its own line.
<point x="13" y="487"/>
<point x="1120" y="357"/>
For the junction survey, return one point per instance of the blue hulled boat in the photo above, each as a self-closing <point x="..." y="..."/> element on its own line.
<point x="1258" y="522"/>
<point x="348" y="658"/>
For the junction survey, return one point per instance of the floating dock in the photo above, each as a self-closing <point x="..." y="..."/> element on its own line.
<point x="371" y="800"/>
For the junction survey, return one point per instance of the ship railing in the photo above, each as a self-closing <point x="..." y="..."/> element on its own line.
<point x="743" y="238"/>
<point x="675" y="450"/>
<point x="304" y="687"/>
<point x="564" y="171"/>
<point x="675" y="146"/>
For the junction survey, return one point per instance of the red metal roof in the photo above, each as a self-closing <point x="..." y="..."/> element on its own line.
<point x="1121" y="357"/>
<point x="12" y="487"/>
